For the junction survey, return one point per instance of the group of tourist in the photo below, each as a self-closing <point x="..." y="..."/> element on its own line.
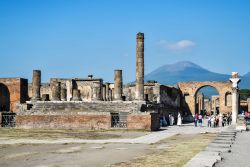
<point x="215" y="120"/>
<point x="198" y="120"/>
<point x="170" y="120"/>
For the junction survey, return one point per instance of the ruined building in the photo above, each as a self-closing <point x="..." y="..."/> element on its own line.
<point x="91" y="103"/>
<point x="88" y="102"/>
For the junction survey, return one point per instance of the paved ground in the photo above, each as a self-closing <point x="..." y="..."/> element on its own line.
<point x="240" y="152"/>
<point x="149" y="138"/>
<point x="91" y="153"/>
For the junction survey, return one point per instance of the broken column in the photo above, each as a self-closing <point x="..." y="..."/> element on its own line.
<point x="55" y="91"/>
<point x="118" y="85"/>
<point x="36" y="85"/>
<point x="235" y="96"/>
<point x="139" y="88"/>
<point x="76" y="95"/>
<point x="64" y="94"/>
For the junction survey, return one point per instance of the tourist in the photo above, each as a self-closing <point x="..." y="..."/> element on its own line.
<point x="200" y="120"/>
<point x="229" y="119"/>
<point x="209" y="121"/>
<point x="179" y="120"/>
<point x="225" y="120"/>
<point x="195" y="121"/>
<point x="213" y="121"/>
<point x="164" y="122"/>
<point x="171" y="122"/>
<point x="246" y="115"/>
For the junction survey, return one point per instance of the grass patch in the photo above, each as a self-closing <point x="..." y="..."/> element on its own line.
<point x="181" y="149"/>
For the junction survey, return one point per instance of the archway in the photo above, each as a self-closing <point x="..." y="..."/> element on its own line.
<point x="189" y="91"/>
<point x="4" y="98"/>
<point x="207" y="100"/>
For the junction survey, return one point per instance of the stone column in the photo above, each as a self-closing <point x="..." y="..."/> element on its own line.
<point x="235" y="97"/>
<point x="104" y="93"/>
<point x="139" y="89"/>
<point x="76" y="95"/>
<point x="97" y="91"/>
<point x="110" y="95"/>
<point x="36" y="85"/>
<point x="118" y="85"/>
<point x="55" y="91"/>
<point x="107" y="91"/>
<point x="64" y="94"/>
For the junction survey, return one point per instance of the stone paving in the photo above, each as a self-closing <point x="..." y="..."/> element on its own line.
<point x="239" y="152"/>
<point x="213" y="152"/>
<point x="150" y="138"/>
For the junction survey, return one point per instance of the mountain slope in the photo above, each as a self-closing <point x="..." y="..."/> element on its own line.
<point x="185" y="71"/>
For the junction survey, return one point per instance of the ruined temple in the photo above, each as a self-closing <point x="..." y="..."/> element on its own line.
<point x="91" y="103"/>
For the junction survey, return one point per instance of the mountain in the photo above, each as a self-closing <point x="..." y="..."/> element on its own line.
<point x="185" y="71"/>
<point x="247" y="74"/>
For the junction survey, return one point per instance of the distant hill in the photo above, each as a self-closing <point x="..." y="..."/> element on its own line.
<point x="185" y="71"/>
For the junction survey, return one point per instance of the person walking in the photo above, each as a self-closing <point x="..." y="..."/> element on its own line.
<point x="200" y="120"/>
<point x="209" y="121"/>
<point x="179" y="119"/>
<point x="195" y="121"/>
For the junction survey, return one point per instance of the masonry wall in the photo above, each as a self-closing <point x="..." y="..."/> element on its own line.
<point x="83" y="121"/>
<point x="145" y="121"/>
<point x="18" y="90"/>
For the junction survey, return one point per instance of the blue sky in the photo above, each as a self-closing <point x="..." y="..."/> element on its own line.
<point x="74" y="38"/>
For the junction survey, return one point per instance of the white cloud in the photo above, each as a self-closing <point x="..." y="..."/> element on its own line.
<point x="177" y="46"/>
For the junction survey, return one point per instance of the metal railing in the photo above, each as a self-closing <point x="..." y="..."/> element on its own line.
<point x="8" y="119"/>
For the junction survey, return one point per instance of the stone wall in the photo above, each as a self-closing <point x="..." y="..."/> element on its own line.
<point x="145" y="121"/>
<point x="84" y="121"/>
<point x="17" y="91"/>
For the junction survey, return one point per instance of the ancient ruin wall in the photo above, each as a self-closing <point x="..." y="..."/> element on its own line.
<point x="189" y="90"/>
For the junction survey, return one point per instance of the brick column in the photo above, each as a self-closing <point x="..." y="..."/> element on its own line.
<point x="36" y="85"/>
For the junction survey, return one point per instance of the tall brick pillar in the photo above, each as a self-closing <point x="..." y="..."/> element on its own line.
<point x="36" y="85"/>
<point x="55" y="91"/>
<point x="118" y="85"/>
<point x="139" y="88"/>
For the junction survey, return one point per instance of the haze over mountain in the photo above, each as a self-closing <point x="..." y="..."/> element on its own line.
<point x="185" y="71"/>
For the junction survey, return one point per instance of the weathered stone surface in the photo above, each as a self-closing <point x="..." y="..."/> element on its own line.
<point x="139" y="92"/>
<point x="36" y="84"/>
<point x="64" y="94"/>
<point x="118" y="85"/>
<point x="56" y="90"/>
<point x="190" y="89"/>
<point x="76" y="95"/>
<point x="85" y="121"/>
<point x="12" y="92"/>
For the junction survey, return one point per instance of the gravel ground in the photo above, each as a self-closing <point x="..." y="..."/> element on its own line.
<point x="240" y="155"/>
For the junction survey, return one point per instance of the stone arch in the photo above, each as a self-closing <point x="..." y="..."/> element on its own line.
<point x="4" y="98"/>
<point x="191" y="89"/>
<point x="197" y="110"/>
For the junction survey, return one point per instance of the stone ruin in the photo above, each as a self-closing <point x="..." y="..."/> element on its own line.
<point x="90" y="103"/>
